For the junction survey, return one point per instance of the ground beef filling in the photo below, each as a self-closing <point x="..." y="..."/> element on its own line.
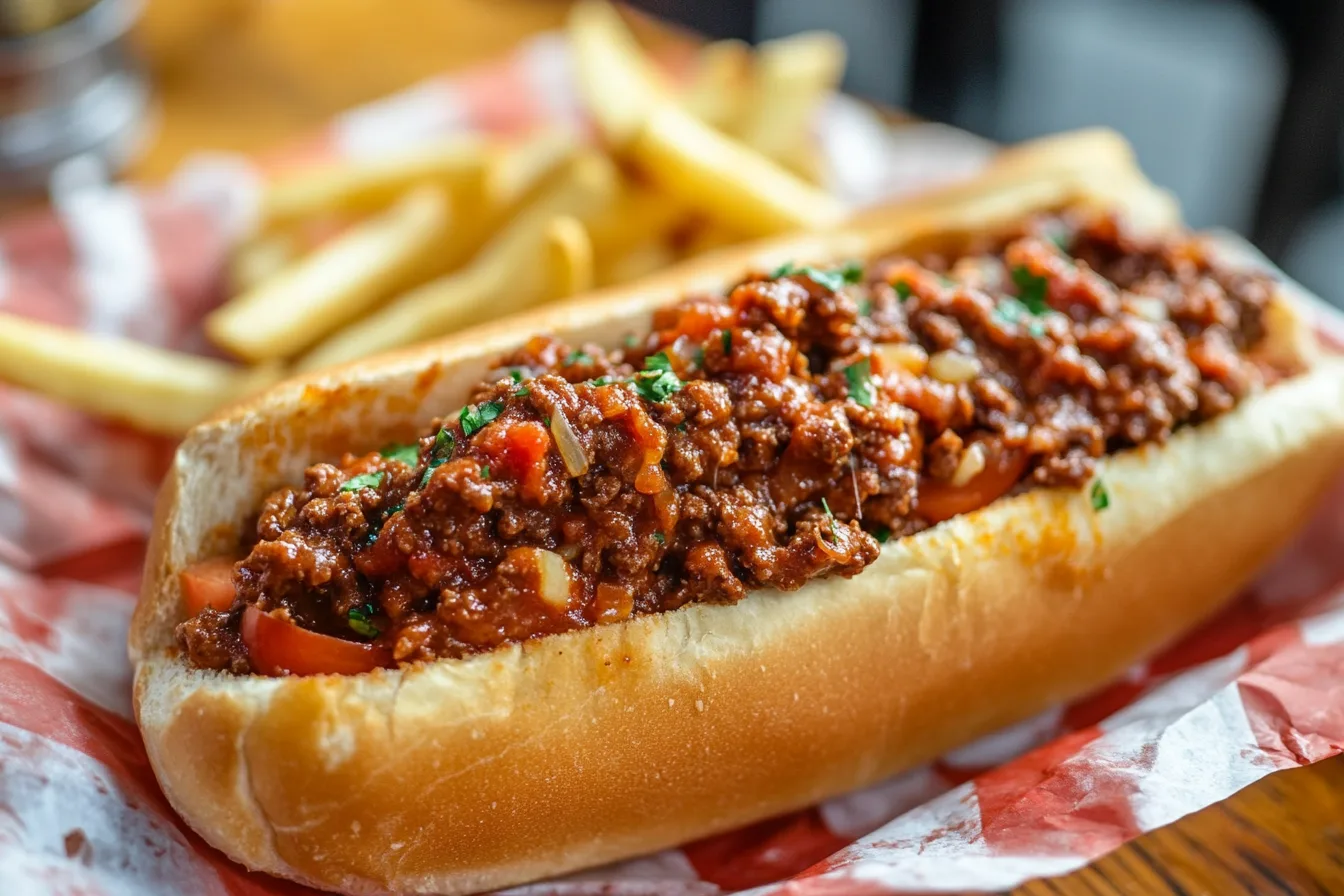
<point x="757" y="440"/>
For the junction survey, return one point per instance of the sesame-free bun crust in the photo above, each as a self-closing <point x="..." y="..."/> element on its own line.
<point x="573" y="750"/>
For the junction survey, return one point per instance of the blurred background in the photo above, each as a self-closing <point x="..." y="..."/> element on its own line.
<point x="1236" y="106"/>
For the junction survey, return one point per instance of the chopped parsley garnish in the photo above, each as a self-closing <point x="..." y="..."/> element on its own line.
<point x="602" y="381"/>
<point x="440" y="454"/>
<point x="1061" y="237"/>
<point x="830" y="516"/>
<point x="522" y="393"/>
<point x="903" y="289"/>
<point x="473" y="419"/>
<point x="860" y="377"/>
<point x="1031" y="290"/>
<point x="882" y="534"/>
<point x="363" y="480"/>
<point x="681" y="427"/>
<point x="700" y="357"/>
<point x="631" y="340"/>
<point x="656" y="382"/>
<point x="1101" y="498"/>
<point x="516" y="374"/>
<point x="485" y="471"/>
<point x="1012" y="311"/>
<point x="578" y="356"/>
<point x="660" y="538"/>
<point x="546" y="421"/>
<point x="359" y="619"/>
<point x="407" y="454"/>
<point x="865" y="307"/>
<point x="851" y="272"/>
<point x="727" y="338"/>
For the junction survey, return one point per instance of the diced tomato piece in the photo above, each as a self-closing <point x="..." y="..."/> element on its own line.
<point x="279" y="647"/>
<point x="702" y="318"/>
<point x="940" y="501"/>
<point x="208" y="583"/>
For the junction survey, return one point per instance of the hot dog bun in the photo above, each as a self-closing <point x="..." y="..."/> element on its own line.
<point x="574" y="750"/>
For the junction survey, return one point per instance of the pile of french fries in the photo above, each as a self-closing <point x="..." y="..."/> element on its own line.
<point x="360" y="257"/>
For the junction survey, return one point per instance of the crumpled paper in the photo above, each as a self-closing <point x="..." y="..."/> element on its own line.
<point x="1257" y="689"/>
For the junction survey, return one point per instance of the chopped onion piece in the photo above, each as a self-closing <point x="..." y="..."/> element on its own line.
<point x="953" y="367"/>
<point x="1146" y="307"/>
<point x="571" y="449"/>
<point x="903" y="356"/>
<point x="972" y="465"/>
<point x="552" y="578"/>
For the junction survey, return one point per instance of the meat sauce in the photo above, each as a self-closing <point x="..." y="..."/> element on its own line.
<point x="755" y="440"/>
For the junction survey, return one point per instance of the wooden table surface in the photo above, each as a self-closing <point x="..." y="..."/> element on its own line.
<point x="249" y="74"/>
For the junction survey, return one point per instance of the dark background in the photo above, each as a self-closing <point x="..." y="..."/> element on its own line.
<point x="1237" y="106"/>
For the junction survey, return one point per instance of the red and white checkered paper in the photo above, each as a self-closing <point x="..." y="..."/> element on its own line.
<point x="1258" y="689"/>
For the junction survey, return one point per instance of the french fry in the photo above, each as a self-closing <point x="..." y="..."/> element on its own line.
<point x="150" y="388"/>
<point x="504" y="277"/>
<point x="336" y="283"/>
<point x="617" y="81"/>
<point x="639" y="216"/>
<point x="361" y="186"/>
<point x="793" y="76"/>
<point x="727" y="181"/>
<point x="569" y="257"/>
<point x="636" y="262"/>
<point x="259" y="259"/>
<point x="721" y="77"/>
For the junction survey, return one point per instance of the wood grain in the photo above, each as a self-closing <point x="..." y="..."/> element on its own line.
<point x="247" y="75"/>
<point x="1282" y="835"/>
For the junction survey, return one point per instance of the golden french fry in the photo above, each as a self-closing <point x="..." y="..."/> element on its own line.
<point x="636" y="262"/>
<point x="618" y="83"/>
<point x="361" y="186"/>
<point x="507" y="275"/>
<point x="639" y="215"/>
<point x="336" y="283"/>
<point x="793" y="76"/>
<point x="719" y="84"/>
<point x="150" y="388"/>
<point x="707" y="237"/>
<point x="259" y="259"/>
<point x="727" y="181"/>
<point x="514" y="176"/>
<point x="569" y="257"/>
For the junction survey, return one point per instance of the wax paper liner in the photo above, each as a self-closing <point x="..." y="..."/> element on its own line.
<point x="1259" y="688"/>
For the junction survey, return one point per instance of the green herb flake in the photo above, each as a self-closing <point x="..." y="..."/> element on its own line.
<point x="602" y="381"/>
<point x="546" y="421"/>
<point x="783" y="270"/>
<point x="516" y="374"/>
<point x="657" y="382"/>
<point x="700" y="357"/>
<point x="440" y="454"/>
<point x="578" y="357"/>
<point x="1012" y="311"/>
<point x="860" y="377"/>
<point x="681" y="427"/>
<point x="407" y="454"/>
<point x="660" y="538"/>
<point x="866" y="307"/>
<point x="363" y="480"/>
<point x="522" y="393"/>
<point x="882" y="534"/>
<point x="903" y="290"/>
<point x="1031" y="290"/>
<point x="832" y="280"/>
<point x="1101" y="498"/>
<point x="474" y="419"/>
<point x="485" y="471"/>
<point x="359" y="619"/>
<point x="831" y="517"/>
<point x="631" y="340"/>
<point x="727" y="338"/>
<point x="852" y="272"/>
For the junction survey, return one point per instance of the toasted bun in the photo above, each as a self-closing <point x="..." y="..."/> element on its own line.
<point x="583" y="748"/>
